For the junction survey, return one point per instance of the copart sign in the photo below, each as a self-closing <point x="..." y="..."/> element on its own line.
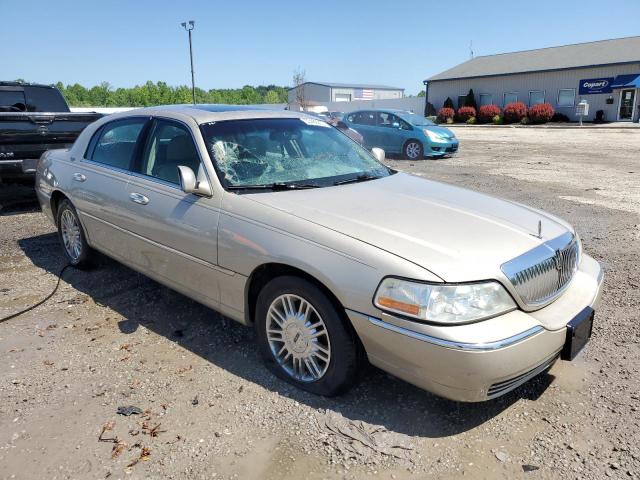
<point x="590" y="86"/>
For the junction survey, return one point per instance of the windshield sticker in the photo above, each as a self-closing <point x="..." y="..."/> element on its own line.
<point x="315" y="122"/>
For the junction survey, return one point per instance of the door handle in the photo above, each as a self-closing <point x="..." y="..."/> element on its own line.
<point x="138" y="198"/>
<point x="78" y="177"/>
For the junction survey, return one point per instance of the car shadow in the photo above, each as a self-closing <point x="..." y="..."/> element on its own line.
<point x="378" y="398"/>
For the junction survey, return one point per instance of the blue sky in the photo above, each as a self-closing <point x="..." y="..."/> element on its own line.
<point x="257" y="42"/>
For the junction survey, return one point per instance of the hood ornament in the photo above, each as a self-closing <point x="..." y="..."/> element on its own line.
<point x="539" y="235"/>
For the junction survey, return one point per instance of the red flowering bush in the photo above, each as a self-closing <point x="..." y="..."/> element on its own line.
<point x="445" y="113"/>
<point x="514" y="112"/>
<point x="487" y="112"/>
<point x="541" y="113"/>
<point x="465" y="113"/>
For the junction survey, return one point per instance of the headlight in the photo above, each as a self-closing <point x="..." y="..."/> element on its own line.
<point x="442" y="303"/>
<point x="435" y="137"/>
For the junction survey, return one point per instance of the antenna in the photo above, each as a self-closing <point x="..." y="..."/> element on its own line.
<point x="471" y="48"/>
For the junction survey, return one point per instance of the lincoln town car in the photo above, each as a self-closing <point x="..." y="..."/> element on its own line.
<point x="280" y="221"/>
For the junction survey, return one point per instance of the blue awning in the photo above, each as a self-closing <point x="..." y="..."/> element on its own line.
<point x="627" y="81"/>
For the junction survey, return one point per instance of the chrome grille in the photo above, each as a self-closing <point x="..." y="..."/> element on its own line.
<point x="542" y="273"/>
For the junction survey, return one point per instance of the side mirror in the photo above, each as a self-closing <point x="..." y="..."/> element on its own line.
<point x="190" y="184"/>
<point x="341" y="124"/>
<point x="378" y="153"/>
<point x="395" y="125"/>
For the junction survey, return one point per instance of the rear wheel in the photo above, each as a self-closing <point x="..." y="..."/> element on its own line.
<point x="413" y="150"/>
<point x="72" y="237"/>
<point x="304" y="339"/>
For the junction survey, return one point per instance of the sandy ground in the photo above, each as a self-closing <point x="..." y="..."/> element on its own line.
<point x="110" y="338"/>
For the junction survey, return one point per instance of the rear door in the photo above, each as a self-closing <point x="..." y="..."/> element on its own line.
<point x="365" y="123"/>
<point x="174" y="234"/>
<point x="98" y="183"/>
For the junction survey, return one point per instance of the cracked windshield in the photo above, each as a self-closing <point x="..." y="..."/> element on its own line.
<point x="296" y="152"/>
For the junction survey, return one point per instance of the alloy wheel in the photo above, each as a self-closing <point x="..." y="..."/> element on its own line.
<point x="71" y="234"/>
<point x="413" y="150"/>
<point x="298" y="338"/>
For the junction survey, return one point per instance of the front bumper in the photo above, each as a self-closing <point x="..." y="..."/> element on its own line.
<point x="444" y="148"/>
<point x="483" y="360"/>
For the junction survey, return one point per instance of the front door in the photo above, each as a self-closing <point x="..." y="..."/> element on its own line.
<point x="627" y="103"/>
<point x="174" y="233"/>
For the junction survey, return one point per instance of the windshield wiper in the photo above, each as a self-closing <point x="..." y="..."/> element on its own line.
<point x="275" y="186"/>
<point x="363" y="177"/>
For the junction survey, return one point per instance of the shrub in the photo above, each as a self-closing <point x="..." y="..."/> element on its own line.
<point x="559" y="117"/>
<point x="470" y="100"/>
<point x="487" y="112"/>
<point x="449" y="120"/>
<point x="525" y="121"/>
<point x="448" y="103"/>
<point x="514" y="112"/>
<point x="541" y="113"/>
<point x="471" y="121"/>
<point x="444" y="114"/>
<point x="497" y="120"/>
<point x="465" y="113"/>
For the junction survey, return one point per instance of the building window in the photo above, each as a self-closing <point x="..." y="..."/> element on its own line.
<point x="461" y="99"/>
<point x="566" y="97"/>
<point x="486" y="99"/>
<point x="510" y="97"/>
<point x="536" y="97"/>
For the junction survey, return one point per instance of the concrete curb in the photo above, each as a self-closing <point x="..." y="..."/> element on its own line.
<point x="630" y="126"/>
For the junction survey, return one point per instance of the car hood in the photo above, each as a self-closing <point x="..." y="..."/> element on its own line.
<point x="442" y="131"/>
<point x="457" y="234"/>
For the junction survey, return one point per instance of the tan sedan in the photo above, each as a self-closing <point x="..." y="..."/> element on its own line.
<point x="278" y="220"/>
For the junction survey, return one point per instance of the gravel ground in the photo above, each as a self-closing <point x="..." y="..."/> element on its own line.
<point x="208" y="409"/>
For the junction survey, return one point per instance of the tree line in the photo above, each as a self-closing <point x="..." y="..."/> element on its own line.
<point x="159" y="93"/>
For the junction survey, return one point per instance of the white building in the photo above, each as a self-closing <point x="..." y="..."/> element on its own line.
<point x="316" y="93"/>
<point x="605" y="73"/>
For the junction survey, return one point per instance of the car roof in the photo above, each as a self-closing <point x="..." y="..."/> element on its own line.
<point x="205" y="113"/>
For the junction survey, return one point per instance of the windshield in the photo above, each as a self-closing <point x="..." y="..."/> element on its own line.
<point x="304" y="151"/>
<point x="416" y="120"/>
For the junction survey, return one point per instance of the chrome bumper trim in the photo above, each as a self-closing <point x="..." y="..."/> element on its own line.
<point x="470" y="347"/>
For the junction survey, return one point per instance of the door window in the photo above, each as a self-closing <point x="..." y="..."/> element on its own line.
<point x="12" y="100"/>
<point x="362" y="118"/>
<point x="115" y="144"/>
<point x="170" y="145"/>
<point x="389" y="120"/>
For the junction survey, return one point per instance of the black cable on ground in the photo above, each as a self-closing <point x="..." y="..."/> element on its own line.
<point x="17" y="314"/>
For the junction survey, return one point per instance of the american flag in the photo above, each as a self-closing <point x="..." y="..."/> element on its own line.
<point x="363" y="94"/>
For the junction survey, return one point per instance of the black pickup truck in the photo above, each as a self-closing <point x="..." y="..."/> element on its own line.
<point x="33" y="119"/>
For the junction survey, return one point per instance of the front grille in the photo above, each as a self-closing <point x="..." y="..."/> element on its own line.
<point x="452" y="149"/>
<point x="542" y="273"/>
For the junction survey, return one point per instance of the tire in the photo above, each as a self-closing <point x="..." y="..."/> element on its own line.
<point x="72" y="236"/>
<point x="413" y="150"/>
<point x="306" y="341"/>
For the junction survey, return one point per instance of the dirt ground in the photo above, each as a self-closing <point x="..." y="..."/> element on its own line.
<point x="209" y="409"/>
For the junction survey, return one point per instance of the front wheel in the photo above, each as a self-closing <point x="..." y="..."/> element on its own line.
<point x="72" y="236"/>
<point x="413" y="150"/>
<point x="304" y="339"/>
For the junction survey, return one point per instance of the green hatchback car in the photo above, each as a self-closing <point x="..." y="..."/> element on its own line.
<point x="404" y="133"/>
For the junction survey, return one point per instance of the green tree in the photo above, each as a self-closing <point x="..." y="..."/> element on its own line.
<point x="470" y="100"/>
<point x="272" y="97"/>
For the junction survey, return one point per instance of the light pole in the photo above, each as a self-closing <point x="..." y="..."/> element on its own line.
<point x="188" y="26"/>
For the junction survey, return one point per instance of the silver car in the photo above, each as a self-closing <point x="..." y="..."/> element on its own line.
<point x="278" y="220"/>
